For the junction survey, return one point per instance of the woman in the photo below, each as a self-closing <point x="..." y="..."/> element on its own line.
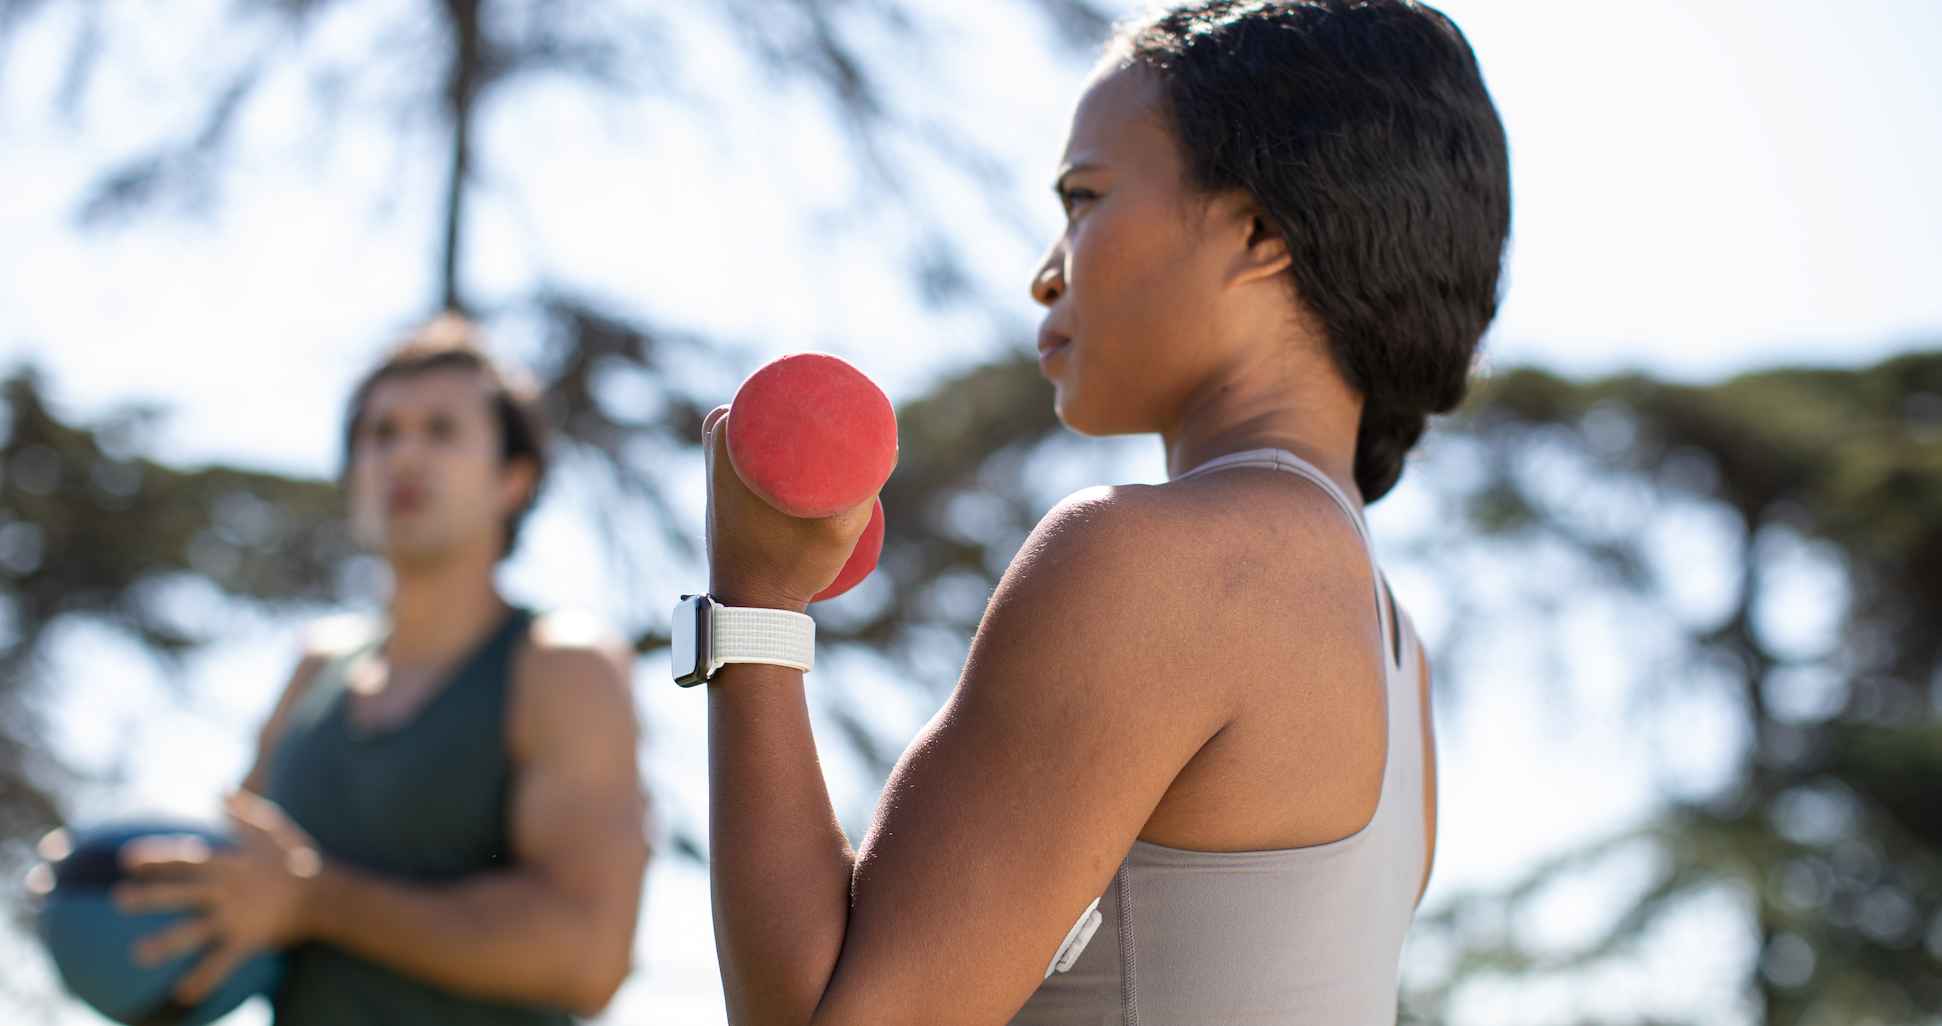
<point x="1187" y="774"/>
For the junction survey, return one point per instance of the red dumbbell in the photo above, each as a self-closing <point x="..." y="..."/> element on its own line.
<point x="813" y="437"/>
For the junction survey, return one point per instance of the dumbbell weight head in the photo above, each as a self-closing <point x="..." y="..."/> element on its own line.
<point x="811" y="435"/>
<point x="863" y="558"/>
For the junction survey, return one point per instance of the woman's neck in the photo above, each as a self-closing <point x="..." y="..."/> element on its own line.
<point x="1292" y="398"/>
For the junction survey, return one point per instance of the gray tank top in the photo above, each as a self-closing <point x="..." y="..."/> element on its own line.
<point x="1301" y="935"/>
<point x="425" y="801"/>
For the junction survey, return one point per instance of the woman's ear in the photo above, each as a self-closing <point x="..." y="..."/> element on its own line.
<point x="1263" y="253"/>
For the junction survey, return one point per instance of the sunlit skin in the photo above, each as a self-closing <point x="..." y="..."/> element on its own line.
<point x="1145" y="263"/>
<point x="1194" y="664"/>
<point x="430" y="493"/>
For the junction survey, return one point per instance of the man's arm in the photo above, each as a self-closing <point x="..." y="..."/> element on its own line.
<point x="558" y="928"/>
<point x="555" y="930"/>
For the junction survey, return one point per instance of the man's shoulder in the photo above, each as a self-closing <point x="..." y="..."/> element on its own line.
<point x="339" y="635"/>
<point x="579" y="645"/>
<point x="572" y="683"/>
<point x="573" y="629"/>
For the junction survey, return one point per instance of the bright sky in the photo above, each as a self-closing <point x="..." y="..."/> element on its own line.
<point x="1706" y="187"/>
<point x="1700" y="189"/>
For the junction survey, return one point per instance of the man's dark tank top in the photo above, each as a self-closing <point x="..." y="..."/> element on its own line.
<point x="424" y="802"/>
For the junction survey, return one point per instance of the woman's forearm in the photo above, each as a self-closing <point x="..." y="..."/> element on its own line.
<point x="780" y="863"/>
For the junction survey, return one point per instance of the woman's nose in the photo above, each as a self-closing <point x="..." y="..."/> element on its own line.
<point x="1049" y="283"/>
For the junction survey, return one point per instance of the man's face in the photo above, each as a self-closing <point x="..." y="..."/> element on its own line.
<point x="426" y="478"/>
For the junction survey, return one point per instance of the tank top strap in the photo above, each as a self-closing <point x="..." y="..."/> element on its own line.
<point x="1289" y="463"/>
<point x="332" y="680"/>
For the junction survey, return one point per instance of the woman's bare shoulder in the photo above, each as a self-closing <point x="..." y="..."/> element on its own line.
<point x="1161" y="579"/>
<point x="1200" y="533"/>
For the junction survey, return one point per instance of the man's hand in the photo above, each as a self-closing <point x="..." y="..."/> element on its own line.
<point x="252" y="896"/>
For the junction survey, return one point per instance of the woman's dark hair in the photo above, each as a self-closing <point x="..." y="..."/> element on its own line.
<point x="1363" y="131"/>
<point x="451" y="342"/>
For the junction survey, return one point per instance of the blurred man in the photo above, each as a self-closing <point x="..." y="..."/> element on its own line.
<point x="445" y="819"/>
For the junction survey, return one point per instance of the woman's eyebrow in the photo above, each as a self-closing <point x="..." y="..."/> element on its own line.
<point x="1058" y="184"/>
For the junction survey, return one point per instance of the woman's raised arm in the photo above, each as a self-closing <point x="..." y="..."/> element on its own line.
<point x="1006" y="818"/>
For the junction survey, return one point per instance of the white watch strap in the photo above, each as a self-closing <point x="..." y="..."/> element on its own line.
<point x="746" y="634"/>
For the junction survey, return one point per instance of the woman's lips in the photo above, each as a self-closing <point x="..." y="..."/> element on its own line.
<point x="1050" y="349"/>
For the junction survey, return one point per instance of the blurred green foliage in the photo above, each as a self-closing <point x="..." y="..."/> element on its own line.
<point x="1830" y="830"/>
<point x="88" y="528"/>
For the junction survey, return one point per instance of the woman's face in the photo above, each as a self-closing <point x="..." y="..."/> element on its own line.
<point x="1132" y="329"/>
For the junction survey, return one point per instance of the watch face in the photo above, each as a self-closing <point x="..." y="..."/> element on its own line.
<point x="681" y="640"/>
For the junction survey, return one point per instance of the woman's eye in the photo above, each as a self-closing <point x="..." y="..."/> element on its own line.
<point x="1073" y="197"/>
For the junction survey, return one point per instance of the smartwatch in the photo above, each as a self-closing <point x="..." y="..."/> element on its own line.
<point x="708" y="635"/>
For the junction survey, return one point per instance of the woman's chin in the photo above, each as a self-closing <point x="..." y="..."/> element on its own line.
<point x="1071" y="414"/>
<point x="1092" y="423"/>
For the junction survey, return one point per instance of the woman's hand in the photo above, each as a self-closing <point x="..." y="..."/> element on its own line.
<point x="759" y="555"/>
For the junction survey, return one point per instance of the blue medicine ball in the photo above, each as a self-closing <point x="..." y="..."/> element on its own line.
<point x="91" y="942"/>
